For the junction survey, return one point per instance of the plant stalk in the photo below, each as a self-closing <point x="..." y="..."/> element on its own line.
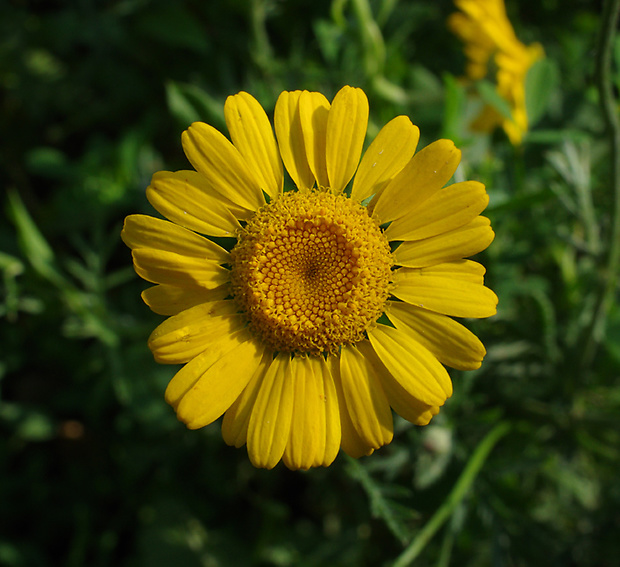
<point x="461" y="487"/>
<point x="596" y="329"/>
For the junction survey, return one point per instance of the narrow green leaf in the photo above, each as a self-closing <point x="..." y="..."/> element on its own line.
<point x="381" y="507"/>
<point x="32" y="242"/>
<point x="540" y="82"/>
<point x="189" y="103"/>
<point x="490" y="96"/>
<point x="454" y="103"/>
<point x="461" y="487"/>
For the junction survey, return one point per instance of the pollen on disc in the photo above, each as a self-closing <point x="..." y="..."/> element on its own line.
<point x="311" y="270"/>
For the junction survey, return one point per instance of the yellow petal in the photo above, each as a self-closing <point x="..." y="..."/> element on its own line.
<point x="185" y="378"/>
<point x="346" y="132"/>
<point x="407" y="406"/>
<point x="427" y="172"/>
<point x="220" y="385"/>
<point x="270" y="422"/>
<point x="237" y="417"/>
<point x="142" y="231"/>
<point x="389" y="152"/>
<point x="215" y="157"/>
<point x="320" y="419"/>
<point x="449" y="341"/>
<point x="465" y="241"/>
<point x="185" y="335"/>
<point x="185" y="198"/>
<point x="252" y="135"/>
<point x="313" y="113"/>
<point x="464" y="270"/>
<point x="444" y="294"/>
<point x="327" y="449"/>
<point x="411" y="365"/>
<point x="446" y="210"/>
<point x="421" y="417"/>
<point x="307" y="423"/>
<point x="352" y="444"/>
<point x="366" y="403"/>
<point x="170" y="299"/>
<point x="162" y="267"/>
<point x="287" y="124"/>
<point x="404" y="404"/>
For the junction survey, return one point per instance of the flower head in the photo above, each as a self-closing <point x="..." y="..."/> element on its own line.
<point x="326" y="313"/>
<point x="489" y="37"/>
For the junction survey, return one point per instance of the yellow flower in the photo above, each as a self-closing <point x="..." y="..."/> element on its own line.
<point x="281" y="334"/>
<point x="488" y="35"/>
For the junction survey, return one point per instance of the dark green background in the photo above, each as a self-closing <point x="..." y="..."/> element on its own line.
<point x="96" y="470"/>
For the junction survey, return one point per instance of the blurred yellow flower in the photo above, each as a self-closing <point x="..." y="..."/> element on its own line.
<point x="490" y="38"/>
<point x="281" y="334"/>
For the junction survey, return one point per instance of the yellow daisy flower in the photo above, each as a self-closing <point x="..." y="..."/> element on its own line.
<point x="281" y="334"/>
<point x="488" y="36"/>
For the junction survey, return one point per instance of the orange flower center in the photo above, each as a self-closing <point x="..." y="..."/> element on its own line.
<point x="311" y="270"/>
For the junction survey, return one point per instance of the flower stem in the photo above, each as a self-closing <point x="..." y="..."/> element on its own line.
<point x="263" y="54"/>
<point x="455" y="497"/>
<point x="595" y="330"/>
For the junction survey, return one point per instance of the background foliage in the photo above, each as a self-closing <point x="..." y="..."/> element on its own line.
<point x="95" y="468"/>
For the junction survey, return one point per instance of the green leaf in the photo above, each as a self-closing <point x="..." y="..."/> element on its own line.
<point x="329" y="37"/>
<point x="552" y="137"/>
<point x="454" y="103"/>
<point x="456" y="496"/>
<point x="488" y="93"/>
<point x="11" y="265"/>
<point x="33" y="244"/>
<point x="540" y="83"/>
<point x="189" y="103"/>
<point x="47" y="161"/>
<point x="28" y="424"/>
<point x="391" y="512"/>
